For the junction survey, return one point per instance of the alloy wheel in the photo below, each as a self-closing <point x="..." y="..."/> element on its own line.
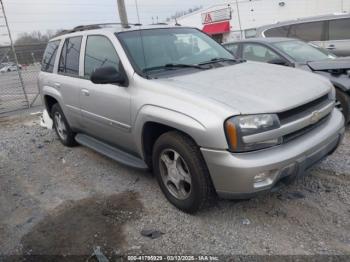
<point x="175" y="174"/>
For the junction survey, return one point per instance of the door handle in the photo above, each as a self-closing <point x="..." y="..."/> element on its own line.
<point x="85" y="92"/>
<point x="57" y="85"/>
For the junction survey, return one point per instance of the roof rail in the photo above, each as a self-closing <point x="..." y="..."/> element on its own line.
<point x="160" y="23"/>
<point x="92" y="27"/>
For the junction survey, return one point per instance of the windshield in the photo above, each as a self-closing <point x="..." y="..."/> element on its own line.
<point x="302" y="52"/>
<point x="156" y="48"/>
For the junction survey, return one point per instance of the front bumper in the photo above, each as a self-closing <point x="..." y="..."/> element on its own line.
<point x="234" y="175"/>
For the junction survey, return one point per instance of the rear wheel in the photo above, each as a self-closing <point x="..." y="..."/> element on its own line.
<point x="343" y="104"/>
<point x="181" y="171"/>
<point x="61" y="126"/>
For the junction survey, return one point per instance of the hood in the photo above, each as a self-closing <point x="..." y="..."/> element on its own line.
<point x="254" y="87"/>
<point x="340" y="63"/>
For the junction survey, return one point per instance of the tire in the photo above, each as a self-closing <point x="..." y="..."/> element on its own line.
<point x="61" y="126"/>
<point x="343" y="102"/>
<point x="196" y="186"/>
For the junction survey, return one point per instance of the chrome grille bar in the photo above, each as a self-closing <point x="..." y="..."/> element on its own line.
<point x="291" y="127"/>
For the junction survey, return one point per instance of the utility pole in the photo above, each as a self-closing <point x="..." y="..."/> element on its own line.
<point x="14" y="52"/>
<point x="122" y="13"/>
<point x="239" y="19"/>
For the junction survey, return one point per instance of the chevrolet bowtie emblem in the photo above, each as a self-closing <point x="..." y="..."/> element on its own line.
<point x="315" y="117"/>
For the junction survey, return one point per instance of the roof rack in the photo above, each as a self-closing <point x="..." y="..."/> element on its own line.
<point x="94" y="26"/>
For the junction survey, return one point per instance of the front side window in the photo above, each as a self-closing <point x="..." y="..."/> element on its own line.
<point x="339" y="29"/>
<point x="69" y="59"/>
<point x="50" y="56"/>
<point x="156" y="48"/>
<point x="99" y="52"/>
<point x="307" y="31"/>
<point x="302" y="52"/>
<point x="259" y="53"/>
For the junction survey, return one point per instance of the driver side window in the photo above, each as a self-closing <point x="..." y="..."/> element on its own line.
<point x="99" y="52"/>
<point x="259" y="53"/>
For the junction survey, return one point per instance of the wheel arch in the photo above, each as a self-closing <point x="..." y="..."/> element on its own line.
<point x="152" y="121"/>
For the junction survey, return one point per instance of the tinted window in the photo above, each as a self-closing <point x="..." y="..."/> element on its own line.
<point x="99" y="53"/>
<point x="339" y="29"/>
<point x="307" y="31"/>
<point x="259" y="53"/>
<point x="69" y="59"/>
<point x="232" y="48"/>
<point x="50" y="56"/>
<point x="277" y="32"/>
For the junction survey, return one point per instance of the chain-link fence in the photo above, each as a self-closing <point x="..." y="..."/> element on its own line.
<point x="18" y="82"/>
<point x="19" y="69"/>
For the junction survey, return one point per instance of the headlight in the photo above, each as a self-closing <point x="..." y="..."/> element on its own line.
<point x="238" y="127"/>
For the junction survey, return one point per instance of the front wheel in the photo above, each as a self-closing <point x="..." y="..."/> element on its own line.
<point x="61" y="126"/>
<point x="181" y="171"/>
<point x="343" y="104"/>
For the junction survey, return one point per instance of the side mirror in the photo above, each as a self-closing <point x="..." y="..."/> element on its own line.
<point x="108" y="75"/>
<point x="278" y="61"/>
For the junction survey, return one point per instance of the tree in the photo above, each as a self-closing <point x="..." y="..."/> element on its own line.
<point x="182" y="13"/>
<point x="35" y="37"/>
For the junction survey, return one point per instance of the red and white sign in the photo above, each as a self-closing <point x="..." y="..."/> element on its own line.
<point x="207" y="19"/>
<point x="216" y="16"/>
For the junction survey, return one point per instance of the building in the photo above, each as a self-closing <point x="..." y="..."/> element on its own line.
<point x="234" y="20"/>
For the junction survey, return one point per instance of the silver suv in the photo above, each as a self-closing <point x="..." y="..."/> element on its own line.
<point x="173" y="100"/>
<point x="328" y="31"/>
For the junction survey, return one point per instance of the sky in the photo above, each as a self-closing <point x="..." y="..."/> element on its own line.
<point x="43" y="15"/>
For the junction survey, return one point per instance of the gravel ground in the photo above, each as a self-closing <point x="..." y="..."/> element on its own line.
<point x="59" y="200"/>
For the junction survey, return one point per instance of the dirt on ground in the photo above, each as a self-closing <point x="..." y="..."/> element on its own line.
<point x="56" y="200"/>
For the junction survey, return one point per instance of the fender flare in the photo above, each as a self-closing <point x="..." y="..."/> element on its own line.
<point x="50" y="91"/>
<point x="174" y="119"/>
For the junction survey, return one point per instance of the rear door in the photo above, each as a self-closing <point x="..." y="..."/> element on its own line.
<point x="67" y="80"/>
<point x="105" y="108"/>
<point x="339" y="37"/>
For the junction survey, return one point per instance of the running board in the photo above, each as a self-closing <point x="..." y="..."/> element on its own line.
<point x="110" y="151"/>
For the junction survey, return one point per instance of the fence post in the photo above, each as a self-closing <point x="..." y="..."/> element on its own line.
<point x="14" y="53"/>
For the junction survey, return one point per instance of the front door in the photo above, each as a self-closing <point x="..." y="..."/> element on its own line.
<point x="105" y="108"/>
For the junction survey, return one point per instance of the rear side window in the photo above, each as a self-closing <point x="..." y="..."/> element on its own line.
<point x="69" y="59"/>
<point x="277" y="32"/>
<point x="307" y="31"/>
<point x="99" y="52"/>
<point x="259" y="53"/>
<point x="50" y="56"/>
<point x="339" y="29"/>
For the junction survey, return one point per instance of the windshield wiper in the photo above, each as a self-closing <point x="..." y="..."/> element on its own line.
<point x="174" y="66"/>
<point x="222" y="59"/>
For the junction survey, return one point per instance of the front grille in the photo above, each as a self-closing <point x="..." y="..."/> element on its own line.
<point x="288" y="117"/>
<point x="299" y="112"/>
<point x="303" y="131"/>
